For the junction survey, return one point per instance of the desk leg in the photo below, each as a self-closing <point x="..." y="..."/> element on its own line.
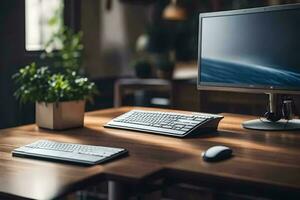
<point x="117" y="191"/>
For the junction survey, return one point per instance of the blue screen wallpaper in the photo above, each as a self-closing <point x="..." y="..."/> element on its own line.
<point x="257" y="49"/>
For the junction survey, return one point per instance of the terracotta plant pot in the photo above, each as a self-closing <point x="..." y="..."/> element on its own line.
<point x="60" y="115"/>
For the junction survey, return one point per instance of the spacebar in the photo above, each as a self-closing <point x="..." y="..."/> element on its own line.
<point x="145" y="128"/>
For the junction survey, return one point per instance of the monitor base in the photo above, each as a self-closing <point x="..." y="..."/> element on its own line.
<point x="281" y="125"/>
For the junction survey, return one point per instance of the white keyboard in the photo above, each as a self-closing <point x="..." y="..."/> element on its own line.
<point x="166" y="123"/>
<point x="77" y="153"/>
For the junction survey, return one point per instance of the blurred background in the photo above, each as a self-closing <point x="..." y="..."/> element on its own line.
<point x="138" y="52"/>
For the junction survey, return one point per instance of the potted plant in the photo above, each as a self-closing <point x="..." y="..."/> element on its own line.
<point x="59" y="91"/>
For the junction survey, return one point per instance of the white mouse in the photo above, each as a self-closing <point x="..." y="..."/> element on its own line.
<point x="217" y="153"/>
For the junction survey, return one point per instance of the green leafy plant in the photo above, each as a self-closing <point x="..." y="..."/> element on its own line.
<point x="61" y="79"/>
<point x="41" y="85"/>
<point x="68" y="57"/>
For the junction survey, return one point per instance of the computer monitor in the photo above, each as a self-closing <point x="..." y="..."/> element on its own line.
<point x="252" y="50"/>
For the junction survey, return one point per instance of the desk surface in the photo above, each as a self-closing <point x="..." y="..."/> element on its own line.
<point x="262" y="161"/>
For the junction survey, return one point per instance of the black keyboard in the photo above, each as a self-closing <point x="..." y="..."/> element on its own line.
<point x="76" y="153"/>
<point x="166" y="123"/>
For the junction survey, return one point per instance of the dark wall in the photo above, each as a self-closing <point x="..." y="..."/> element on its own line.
<point x="12" y="56"/>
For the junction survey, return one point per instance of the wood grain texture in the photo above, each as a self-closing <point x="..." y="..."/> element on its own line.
<point x="264" y="161"/>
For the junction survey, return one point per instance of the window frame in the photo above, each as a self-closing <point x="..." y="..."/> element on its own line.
<point x="71" y="18"/>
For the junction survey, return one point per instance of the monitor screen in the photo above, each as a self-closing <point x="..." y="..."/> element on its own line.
<point x="250" y="49"/>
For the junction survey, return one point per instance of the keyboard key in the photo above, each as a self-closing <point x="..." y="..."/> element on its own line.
<point x="185" y="129"/>
<point x="188" y="127"/>
<point x="179" y="125"/>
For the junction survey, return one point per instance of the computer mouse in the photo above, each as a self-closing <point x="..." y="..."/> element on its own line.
<point x="217" y="153"/>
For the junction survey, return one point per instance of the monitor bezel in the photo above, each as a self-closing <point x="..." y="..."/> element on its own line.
<point x="239" y="88"/>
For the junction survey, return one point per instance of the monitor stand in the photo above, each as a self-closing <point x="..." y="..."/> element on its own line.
<point x="264" y="124"/>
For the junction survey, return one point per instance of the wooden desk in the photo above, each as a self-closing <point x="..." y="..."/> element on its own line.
<point x="267" y="163"/>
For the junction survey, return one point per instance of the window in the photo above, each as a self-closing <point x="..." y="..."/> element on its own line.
<point x="42" y="19"/>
